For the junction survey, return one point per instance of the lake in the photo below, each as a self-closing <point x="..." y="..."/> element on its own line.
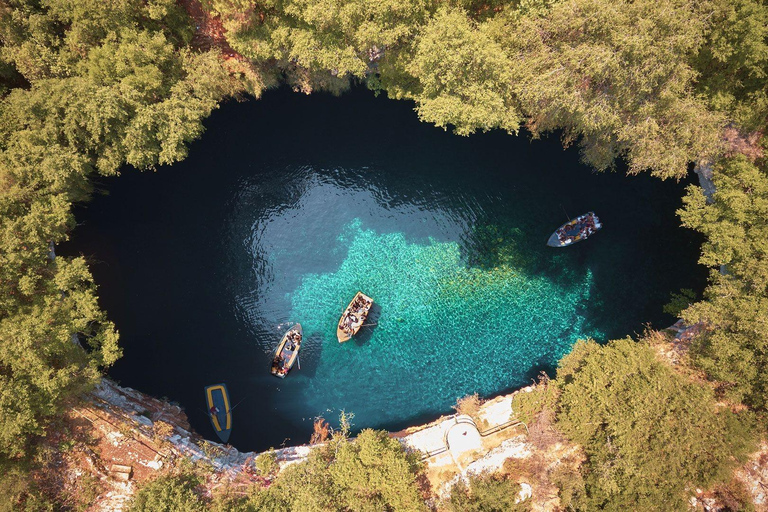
<point x="290" y="204"/>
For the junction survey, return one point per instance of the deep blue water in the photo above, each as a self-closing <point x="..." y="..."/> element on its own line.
<point x="290" y="204"/>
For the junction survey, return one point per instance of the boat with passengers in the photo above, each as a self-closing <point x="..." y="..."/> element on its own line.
<point x="575" y="230"/>
<point x="353" y="317"/>
<point x="287" y="351"/>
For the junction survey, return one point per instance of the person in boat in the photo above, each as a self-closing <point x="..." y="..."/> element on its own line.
<point x="214" y="410"/>
<point x="345" y="324"/>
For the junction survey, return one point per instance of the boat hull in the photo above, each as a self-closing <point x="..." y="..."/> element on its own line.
<point x="289" y="356"/>
<point x="217" y="396"/>
<point x="575" y="231"/>
<point x="341" y="334"/>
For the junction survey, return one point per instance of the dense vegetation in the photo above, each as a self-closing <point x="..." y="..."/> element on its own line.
<point x="100" y="87"/>
<point x="648" y="431"/>
<point x="651" y="82"/>
<point x="486" y="493"/>
<point x="734" y="349"/>
<point x="87" y="87"/>
<point x="371" y="472"/>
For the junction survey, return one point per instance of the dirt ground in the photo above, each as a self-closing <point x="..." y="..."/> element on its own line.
<point x="209" y="30"/>
<point x="82" y="453"/>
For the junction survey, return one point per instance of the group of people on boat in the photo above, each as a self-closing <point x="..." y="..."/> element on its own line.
<point x="586" y="224"/>
<point x="355" y="315"/>
<point x="280" y="362"/>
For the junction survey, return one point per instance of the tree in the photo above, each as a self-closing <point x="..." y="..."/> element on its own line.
<point x="614" y="75"/>
<point x="733" y="64"/>
<point x="371" y="472"/>
<point x="734" y="348"/>
<point x="485" y="493"/>
<point x="462" y="76"/>
<point x="97" y="86"/>
<point x="19" y="493"/>
<point x="169" y="494"/>
<point x="338" y="38"/>
<point x="649" y="433"/>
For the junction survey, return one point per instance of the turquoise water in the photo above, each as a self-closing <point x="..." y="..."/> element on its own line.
<point x="443" y="327"/>
<point x="291" y="204"/>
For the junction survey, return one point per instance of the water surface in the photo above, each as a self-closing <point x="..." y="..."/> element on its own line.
<point x="290" y="204"/>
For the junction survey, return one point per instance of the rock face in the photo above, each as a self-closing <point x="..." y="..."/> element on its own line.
<point x="754" y="475"/>
<point x="137" y="437"/>
<point x="704" y="171"/>
<point x="133" y="437"/>
<point x="164" y="423"/>
<point x="144" y="435"/>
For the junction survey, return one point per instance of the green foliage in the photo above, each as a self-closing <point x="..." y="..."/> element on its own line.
<point x="266" y="463"/>
<point x="49" y="40"/>
<point x="734" y="349"/>
<point x="93" y="86"/>
<point x="679" y="301"/>
<point x="87" y="87"/>
<point x="649" y="82"/>
<point x="371" y="472"/>
<point x="169" y="494"/>
<point x="18" y="492"/>
<point x="41" y="353"/>
<point x="734" y="223"/>
<point x="734" y="61"/>
<point x="464" y="77"/>
<point x="571" y="488"/>
<point x="527" y="405"/>
<point x="339" y="38"/>
<point x="614" y="75"/>
<point x="485" y="493"/>
<point x="648" y="432"/>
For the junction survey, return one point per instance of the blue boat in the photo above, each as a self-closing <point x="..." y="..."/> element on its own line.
<point x="576" y="230"/>
<point x="219" y="410"/>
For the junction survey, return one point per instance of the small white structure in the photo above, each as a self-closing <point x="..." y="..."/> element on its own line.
<point x="461" y="435"/>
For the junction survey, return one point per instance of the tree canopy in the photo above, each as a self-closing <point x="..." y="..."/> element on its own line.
<point x="653" y="84"/>
<point x="371" y="472"/>
<point x="97" y="86"/>
<point x="93" y="88"/>
<point x="734" y="347"/>
<point x="649" y="432"/>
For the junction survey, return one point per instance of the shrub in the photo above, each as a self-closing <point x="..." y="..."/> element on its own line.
<point x="484" y="494"/>
<point x="18" y="492"/>
<point x="679" y="301"/>
<point x="647" y="431"/>
<point x="266" y="463"/>
<point x="469" y="405"/>
<point x="170" y="493"/>
<point x="371" y="472"/>
<point x="527" y="405"/>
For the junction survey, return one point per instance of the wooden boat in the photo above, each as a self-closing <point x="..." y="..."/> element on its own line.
<point x="287" y="352"/>
<point x="353" y="317"/>
<point x="580" y="228"/>
<point x="219" y="410"/>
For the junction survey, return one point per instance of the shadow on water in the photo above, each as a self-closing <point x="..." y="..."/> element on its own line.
<point x="308" y="364"/>
<point x="368" y="329"/>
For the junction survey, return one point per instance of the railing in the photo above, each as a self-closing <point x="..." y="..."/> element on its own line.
<point x="511" y="423"/>
<point x="462" y="419"/>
